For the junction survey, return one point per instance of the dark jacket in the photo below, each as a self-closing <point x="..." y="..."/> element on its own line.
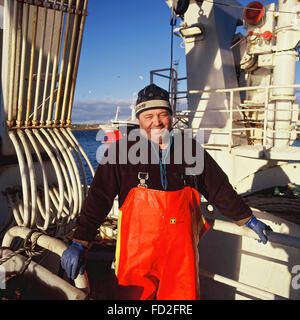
<point x="111" y="180"/>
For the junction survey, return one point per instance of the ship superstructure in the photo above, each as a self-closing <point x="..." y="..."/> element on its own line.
<point x="241" y="95"/>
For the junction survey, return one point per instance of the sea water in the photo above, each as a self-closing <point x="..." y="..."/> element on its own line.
<point x="90" y="143"/>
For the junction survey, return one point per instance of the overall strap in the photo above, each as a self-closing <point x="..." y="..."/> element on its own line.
<point x="143" y="175"/>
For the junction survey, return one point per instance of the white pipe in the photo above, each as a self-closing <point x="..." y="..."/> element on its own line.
<point x="66" y="211"/>
<point x="52" y="244"/>
<point x="10" y="115"/>
<point x="65" y="133"/>
<point x="31" y="66"/>
<point x="23" y="58"/>
<point x="62" y="65"/>
<point x="54" y="71"/>
<point x="17" y="83"/>
<point x="64" y="154"/>
<point x="23" y="175"/>
<point x="81" y="151"/>
<point x="55" y="165"/>
<point x="39" y="71"/>
<point x="64" y="171"/>
<point x="20" y="206"/>
<point x="15" y="211"/>
<point x="41" y="217"/>
<point x="40" y="214"/>
<point x="57" y="218"/>
<point x="47" y="68"/>
<point x="75" y="170"/>
<point x="5" y="76"/>
<point x="32" y="176"/>
<point x="52" y="216"/>
<point x="55" y="198"/>
<point x="46" y="215"/>
<point x="76" y="64"/>
<point x="70" y="63"/>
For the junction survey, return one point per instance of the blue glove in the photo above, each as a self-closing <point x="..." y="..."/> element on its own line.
<point x="258" y="227"/>
<point x="73" y="259"/>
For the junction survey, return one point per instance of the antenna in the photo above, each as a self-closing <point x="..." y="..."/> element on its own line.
<point x="117" y="113"/>
<point x="132" y="106"/>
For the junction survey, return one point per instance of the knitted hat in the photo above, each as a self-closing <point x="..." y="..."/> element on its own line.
<point x="152" y="97"/>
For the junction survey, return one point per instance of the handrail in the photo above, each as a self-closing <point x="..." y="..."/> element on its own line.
<point x="239" y="89"/>
<point x="263" y="294"/>
<point x="273" y="237"/>
<point x="263" y="109"/>
<point x="173" y="77"/>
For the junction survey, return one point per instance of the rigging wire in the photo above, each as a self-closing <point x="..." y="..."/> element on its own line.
<point x="172" y="23"/>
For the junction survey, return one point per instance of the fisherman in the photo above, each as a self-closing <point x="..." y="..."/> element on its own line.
<point x="160" y="222"/>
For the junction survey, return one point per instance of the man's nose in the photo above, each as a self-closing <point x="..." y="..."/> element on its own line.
<point x="156" y="121"/>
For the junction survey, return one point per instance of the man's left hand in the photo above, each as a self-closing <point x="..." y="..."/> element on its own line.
<point x="259" y="227"/>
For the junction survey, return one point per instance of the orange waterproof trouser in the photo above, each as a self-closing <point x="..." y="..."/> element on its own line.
<point x="156" y="254"/>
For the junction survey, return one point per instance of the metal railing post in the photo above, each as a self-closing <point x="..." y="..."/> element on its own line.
<point x="265" y="116"/>
<point x="245" y="288"/>
<point x="230" y="120"/>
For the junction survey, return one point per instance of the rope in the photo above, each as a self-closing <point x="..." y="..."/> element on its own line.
<point x="29" y="248"/>
<point x="172" y="23"/>
<point x="286" y="208"/>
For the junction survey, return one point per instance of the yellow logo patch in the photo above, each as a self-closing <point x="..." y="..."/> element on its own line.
<point x="173" y="220"/>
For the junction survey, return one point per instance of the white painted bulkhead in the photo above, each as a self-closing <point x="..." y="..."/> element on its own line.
<point x="210" y="65"/>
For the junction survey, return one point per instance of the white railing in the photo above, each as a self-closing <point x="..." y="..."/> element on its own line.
<point x="230" y="130"/>
<point x="273" y="237"/>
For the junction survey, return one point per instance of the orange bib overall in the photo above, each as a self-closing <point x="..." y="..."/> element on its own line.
<point x="156" y="254"/>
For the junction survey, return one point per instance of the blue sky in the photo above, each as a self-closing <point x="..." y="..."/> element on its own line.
<point x="123" y="41"/>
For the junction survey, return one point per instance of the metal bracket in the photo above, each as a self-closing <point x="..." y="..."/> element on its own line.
<point x="143" y="176"/>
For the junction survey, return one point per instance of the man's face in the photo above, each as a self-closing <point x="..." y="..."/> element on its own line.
<point x="155" y="123"/>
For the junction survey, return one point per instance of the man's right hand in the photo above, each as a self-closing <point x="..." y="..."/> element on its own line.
<point x="73" y="259"/>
